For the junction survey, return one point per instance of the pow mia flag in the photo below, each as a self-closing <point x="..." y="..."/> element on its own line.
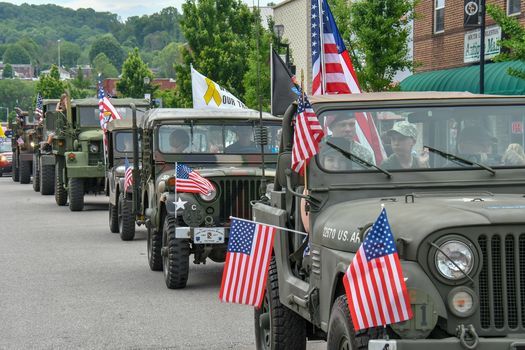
<point x="471" y="13"/>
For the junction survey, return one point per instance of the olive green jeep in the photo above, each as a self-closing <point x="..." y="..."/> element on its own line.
<point x="22" y="144"/>
<point x="218" y="144"/>
<point x="451" y="180"/>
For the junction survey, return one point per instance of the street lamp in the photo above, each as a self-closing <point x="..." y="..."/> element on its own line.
<point x="58" y="41"/>
<point x="278" y="30"/>
<point x="147" y="96"/>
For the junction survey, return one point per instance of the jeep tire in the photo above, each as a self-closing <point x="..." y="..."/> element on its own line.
<point x="341" y="334"/>
<point x="126" y="219"/>
<point x="36" y="174"/>
<point x="47" y="177"/>
<point x="76" y="194"/>
<point x="113" y="217"/>
<point x="276" y="326"/>
<point x="154" y="249"/>
<point x="60" y="191"/>
<point x="15" y="175"/>
<point x="25" y="171"/>
<point x="175" y="256"/>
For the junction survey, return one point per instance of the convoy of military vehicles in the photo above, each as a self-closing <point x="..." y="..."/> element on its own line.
<point x="447" y="167"/>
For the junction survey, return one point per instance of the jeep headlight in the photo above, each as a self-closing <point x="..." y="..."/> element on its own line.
<point x="93" y="148"/>
<point x="209" y="197"/>
<point x="461" y="258"/>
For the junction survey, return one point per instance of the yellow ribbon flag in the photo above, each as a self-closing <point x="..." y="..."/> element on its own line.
<point x="2" y="134"/>
<point x="212" y="92"/>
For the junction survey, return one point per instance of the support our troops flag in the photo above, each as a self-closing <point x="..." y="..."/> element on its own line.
<point x="374" y="282"/>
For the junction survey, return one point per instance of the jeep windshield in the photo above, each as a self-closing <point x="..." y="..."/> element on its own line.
<point x="424" y="139"/>
<point x="227" y="138"/>
<point x="89" y="116"/>
<point x="124" y="142"/>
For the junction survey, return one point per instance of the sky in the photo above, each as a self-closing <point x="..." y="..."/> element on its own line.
<point x="123" y="8"/>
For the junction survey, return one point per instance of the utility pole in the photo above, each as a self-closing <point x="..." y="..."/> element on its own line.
<point x="58" y="41"/>
<point x="482" y="47"/>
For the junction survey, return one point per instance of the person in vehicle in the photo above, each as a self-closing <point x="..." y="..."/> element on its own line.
<point x="180" y="141"/>
<point x="344" y="126"/>
<point x="403" y="137"/>
<point x="332" y="159"/>
<point x="514" y="155"/>
<point x="62" y="104"/>
<point x="475" y="143"/>
<point x="244" y="143"/>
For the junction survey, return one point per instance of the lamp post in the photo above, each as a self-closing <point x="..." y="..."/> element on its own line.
<point x="482" y="47"/>
<point x="147" y="95"/>
<point x="278" y="30"/>
<point x="58" y="42"/>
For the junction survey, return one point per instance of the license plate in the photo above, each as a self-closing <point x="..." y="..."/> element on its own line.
<point x="208" y="235"/>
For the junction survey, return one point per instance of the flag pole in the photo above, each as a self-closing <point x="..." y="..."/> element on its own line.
<point x="321" y="54"/>
<point x="304" y="163"/>
<point x="277" y="227"/>
<point x="271" y="78"/>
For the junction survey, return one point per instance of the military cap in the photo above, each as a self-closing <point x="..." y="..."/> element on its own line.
<point x="404" y="128"/>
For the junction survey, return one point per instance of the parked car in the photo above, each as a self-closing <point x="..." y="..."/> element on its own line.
<point x="6" y="157"/>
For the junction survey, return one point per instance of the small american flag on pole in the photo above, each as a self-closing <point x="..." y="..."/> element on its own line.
<point x="128" y="175"/>
<point x="308" y="132"/>
<point x="374" y="283"/>
<point x="39" y="109"/>
<point x="188" y="180"/>
<point x="106" y="109"/>
<point x="247" y="260"/>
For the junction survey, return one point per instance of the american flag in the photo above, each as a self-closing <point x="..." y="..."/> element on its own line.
<point x="39" y="109"/>
<point x="128" y="175"/>
<point x="308" y="133"/>
<point x="188" y="180"/>
<point x="330" y="56"/>
<point x="247" y="261"/>
<point x="106" y="109"/>
<point x="374" y="283"/>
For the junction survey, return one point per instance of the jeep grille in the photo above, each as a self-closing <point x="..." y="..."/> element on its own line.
<point x="502" y="281"/>
<point x="235" y="197"/>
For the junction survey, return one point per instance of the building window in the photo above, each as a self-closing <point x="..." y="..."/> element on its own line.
<point x="439" y="16"/>
<point x="513" y="7"/>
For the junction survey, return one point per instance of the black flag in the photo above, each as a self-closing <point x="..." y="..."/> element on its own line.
<point x="282" y="86"/>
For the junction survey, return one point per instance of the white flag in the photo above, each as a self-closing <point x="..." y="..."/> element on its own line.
<point x="208" y="94"/>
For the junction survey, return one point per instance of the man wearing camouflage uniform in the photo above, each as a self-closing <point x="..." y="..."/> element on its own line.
<point x="343" y="127"/>
<point x="403" y="137"/>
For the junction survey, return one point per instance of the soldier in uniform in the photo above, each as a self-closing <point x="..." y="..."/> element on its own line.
<point x="344" y="127"/>
<point x="403" y="137"/>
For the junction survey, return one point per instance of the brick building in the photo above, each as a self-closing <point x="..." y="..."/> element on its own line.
<point x="446" y="51"/>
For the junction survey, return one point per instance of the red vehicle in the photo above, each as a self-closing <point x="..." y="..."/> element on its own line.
<point x="6" y="157"/>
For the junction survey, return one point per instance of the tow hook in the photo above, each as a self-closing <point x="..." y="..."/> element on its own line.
<point x="469" y="334"/>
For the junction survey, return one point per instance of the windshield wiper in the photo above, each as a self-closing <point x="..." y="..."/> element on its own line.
<point x="456" y="159"/>
<point x="358" y="160"/>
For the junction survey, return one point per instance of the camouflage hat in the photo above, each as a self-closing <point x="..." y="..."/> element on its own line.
<point x="404" y="128"/>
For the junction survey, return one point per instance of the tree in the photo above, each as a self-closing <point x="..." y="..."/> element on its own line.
<point x="8" y="72"/>
<point x="80" y="82"/>
<point x="103" y="65"/>
<point x="50" y="85"/>
<point x="13" y="90"/>
<point x="379" y="30"/>
<point x="16" y="54"/>
<point x="134" y="70"/>
<point x="514" y="40"/>
<point x="69" y="53"/>
<point x="218" y="35"/>
<point x="109" y="46"/>
<point x="166" y="60"/>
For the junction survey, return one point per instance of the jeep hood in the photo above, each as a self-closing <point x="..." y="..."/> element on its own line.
<point x="341" y="226"/>
<point x="90" y="135"/>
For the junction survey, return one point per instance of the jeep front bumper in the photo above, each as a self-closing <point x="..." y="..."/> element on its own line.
<point x="203" y="235"/>
<point x="452" y="343"/>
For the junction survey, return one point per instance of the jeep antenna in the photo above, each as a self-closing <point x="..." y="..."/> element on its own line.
<point x="261" y="133"/>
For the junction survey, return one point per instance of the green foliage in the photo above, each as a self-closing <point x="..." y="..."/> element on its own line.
<point x="513" y="44"/>
<point x="50" y="85"/>
<point x="76" y="92"/>
<point x="134" y="70"/>
<point x="168" y="98"/>
<point x="16" y="54"/>
<point x="166" y="60"/>
<point x="69" y="53"/>
<point x="13" y="90"/>
<point x="80" y="82"/>
<point x="379" y="30"/>
<point x="8" y="71"/>
<point x="218" y="35"/>
<point x="109" y="46"/>
<point x="103" y="65"/>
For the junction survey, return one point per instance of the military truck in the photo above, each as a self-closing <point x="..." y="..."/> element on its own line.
<point x="218" y="144"/>
<point x="79" y="151"/>
<point x="451" y="182"/>
<point x="22" y="144"/>
<point x="120" y="148"/>
<point x="43" y="158"/>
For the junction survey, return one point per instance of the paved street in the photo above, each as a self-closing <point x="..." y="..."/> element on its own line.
<point x="67" y="282"/>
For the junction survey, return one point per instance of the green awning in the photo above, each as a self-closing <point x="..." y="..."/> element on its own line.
<point x="497" y="80"/>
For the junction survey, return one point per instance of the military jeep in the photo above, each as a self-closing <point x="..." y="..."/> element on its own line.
<point x="219" y="145"/>
<point x="120" y="148"/>
<point x="79" y="150"/>
<point x="451" y="180"/>
<point x="22" y="144"/>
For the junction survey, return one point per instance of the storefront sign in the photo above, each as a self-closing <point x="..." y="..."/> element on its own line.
<point x="472" y="44"/>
